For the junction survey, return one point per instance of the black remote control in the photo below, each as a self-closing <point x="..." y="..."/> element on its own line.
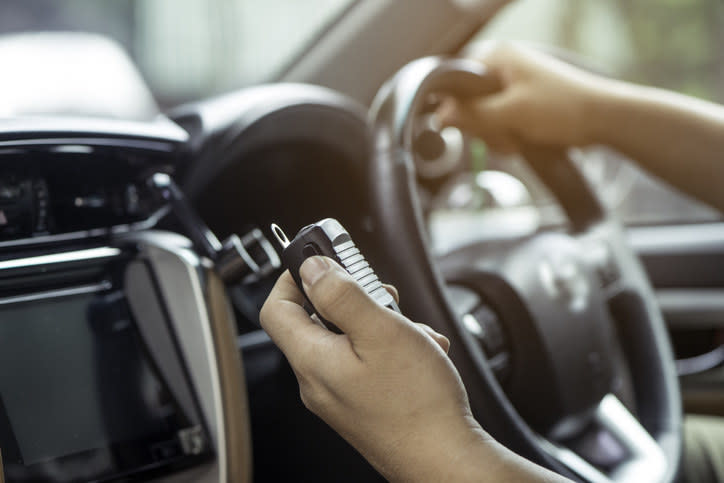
<point x="329" y="238"/>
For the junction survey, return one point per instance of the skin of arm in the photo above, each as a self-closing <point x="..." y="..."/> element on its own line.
<point x="548" y="102"/>
<point x="386" y="385"/>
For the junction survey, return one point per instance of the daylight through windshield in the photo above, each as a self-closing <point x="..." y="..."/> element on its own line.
<point x="186" y="49"/>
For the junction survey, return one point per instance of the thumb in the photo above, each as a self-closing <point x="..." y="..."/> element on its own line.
<point x="337" y="297"/>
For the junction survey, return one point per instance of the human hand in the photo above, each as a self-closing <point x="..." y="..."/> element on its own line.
<point x="543" y="101"/>
<point x="386" y="384"/>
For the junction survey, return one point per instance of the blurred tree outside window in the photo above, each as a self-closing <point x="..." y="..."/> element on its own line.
<point x="673" y="44"/>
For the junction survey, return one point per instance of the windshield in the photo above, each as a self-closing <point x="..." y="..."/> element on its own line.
<point x="187" y="49"/>
<point x="672" y="44"/>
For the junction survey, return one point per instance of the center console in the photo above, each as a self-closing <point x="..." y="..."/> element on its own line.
<point x="118" y="355"/>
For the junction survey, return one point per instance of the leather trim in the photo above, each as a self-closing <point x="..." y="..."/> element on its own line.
<point x="233" y="385"/>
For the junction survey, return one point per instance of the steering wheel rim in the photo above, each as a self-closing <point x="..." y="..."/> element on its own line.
<point x="398" y="222"/>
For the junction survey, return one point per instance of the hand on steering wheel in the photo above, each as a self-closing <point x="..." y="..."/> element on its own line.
<point x="541" y="101"/>
<point x="577" y="335"/>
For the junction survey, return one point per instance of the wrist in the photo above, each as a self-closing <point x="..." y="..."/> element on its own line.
<point x="461" y="451"/>
<point x="597" y="105"/>
<point x="453" y="450"/>
<point x="476" y="454"/>
<point x="480" y="458"/>
<point x="603" y="105"/>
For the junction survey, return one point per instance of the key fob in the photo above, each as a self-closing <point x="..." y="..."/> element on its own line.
<point x="329" y="238"/>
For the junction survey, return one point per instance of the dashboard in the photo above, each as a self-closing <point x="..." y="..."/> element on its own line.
<point x="114" y="332"/>
<point x="75" y="176"/>
<point x="130" y="342"/>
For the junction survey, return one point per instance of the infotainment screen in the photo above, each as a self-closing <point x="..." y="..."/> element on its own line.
<point x="79" y="396"/>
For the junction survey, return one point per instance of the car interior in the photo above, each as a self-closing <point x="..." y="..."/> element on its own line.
<point x="147" y="147"/>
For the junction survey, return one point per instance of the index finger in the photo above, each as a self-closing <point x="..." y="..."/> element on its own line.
<point x="286" y="321"/>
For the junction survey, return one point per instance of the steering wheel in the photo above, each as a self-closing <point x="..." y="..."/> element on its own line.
<point x="577" y="308"/>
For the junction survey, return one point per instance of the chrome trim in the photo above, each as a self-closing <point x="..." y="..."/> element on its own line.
<point x="51" y="294"/>
<point x="146" y="224"/>
<point x="102" y="142"/>
<point x="645" y="463"/>
<point x="61" y="237"/>
<point x="64" y="257"/>
<point x="687" y="238"/>
<point x="177" y="271"/>
<point x="181" y="286"/>
<point x="258" y="236"/>
<point x="701" y="363"/>
<point x="281" y="237"/>
<point x="648" y="462"/>
<point x="574" y="462"/>
<point x="692" y="308"/>
<point x="159" y="130"/>
<point x="472" y="324"/>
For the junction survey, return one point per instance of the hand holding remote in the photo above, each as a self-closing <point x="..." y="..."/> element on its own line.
<point x="329" y="239"/>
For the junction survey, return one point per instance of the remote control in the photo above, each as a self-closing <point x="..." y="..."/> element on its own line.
<point x="329" y="238"/>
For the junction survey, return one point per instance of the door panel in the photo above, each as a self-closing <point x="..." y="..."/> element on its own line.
<point x="692" y="308"/>
<point x="686" y="266"/>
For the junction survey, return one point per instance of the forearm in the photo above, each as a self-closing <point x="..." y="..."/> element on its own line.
<point x="678" y="139"/>
<point x="492" y="462"/>
<point x="465" y="454"/>
<point x="386" y="385"/>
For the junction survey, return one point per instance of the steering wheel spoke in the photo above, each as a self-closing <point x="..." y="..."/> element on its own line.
<point x="624" y="451"/>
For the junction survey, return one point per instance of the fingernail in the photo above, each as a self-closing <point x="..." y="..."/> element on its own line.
<point x="312" y="269"/>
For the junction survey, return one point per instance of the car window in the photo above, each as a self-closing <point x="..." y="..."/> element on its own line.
<point x="188" y="49"/>
<point x="674" y="44"/>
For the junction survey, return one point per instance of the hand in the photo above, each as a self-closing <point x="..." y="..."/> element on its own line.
<point x="543" y="101"/>
<point x="386" y="384"/>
